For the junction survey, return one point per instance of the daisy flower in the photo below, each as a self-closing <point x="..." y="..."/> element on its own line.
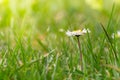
<point x="77" y="32"/>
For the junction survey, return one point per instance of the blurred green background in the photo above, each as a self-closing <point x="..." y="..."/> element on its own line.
<point x="33" y="39"/>
<point x="43" y="13"/>
<point x="45" y="17"/>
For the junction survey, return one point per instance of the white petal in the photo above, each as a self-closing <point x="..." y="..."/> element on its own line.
<point x="86" y="30"/>
<point x="69" y="33"/>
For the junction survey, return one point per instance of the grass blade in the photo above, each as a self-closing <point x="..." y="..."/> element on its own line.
<point x="115" y="53"/>
<point x="42" y="45"/>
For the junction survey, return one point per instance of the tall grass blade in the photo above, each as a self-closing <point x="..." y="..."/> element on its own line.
<point x="42" y="45"/>
<point x="115" y="53"/>
<point x="111" y="15"/>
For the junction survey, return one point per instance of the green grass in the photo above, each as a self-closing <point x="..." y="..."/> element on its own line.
<point x="34" y="44"/>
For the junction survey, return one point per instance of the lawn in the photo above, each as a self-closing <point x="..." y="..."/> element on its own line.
<point x="34" y="44"/>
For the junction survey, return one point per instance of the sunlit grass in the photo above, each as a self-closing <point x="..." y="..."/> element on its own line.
<point x="95" y="4"/>
<point x="34" y="44"/>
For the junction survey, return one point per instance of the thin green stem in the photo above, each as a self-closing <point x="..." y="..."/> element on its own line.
<point x="80" y="53"/>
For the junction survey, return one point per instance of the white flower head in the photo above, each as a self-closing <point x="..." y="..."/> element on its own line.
<point x="77" y="32"/>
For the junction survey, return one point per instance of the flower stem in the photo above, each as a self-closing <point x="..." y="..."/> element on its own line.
<point x="80" y="53"/>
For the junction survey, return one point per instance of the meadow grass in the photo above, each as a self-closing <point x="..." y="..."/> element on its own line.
<point x="34" y="44"/>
